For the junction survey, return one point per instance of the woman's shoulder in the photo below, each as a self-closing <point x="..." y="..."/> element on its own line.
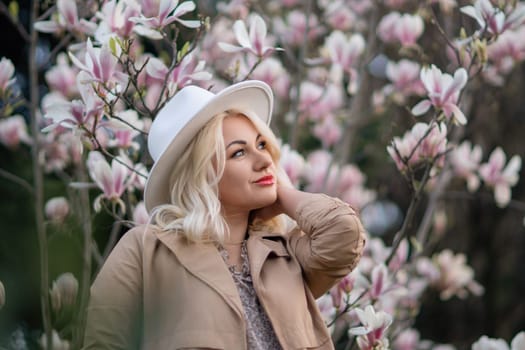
<point x="138" y="236"/>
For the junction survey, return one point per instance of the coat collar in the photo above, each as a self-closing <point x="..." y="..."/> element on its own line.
<point x="205" y="262"/>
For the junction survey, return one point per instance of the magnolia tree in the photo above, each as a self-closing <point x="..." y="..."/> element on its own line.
<point x="338" y="69"/>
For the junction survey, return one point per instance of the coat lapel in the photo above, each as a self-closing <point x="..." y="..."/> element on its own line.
<point x="260" y="244"/>
<point x="204" y="261"/>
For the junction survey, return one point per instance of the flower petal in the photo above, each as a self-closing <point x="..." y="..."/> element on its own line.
<point x="47" y="26"/>
<point x="185" y="7"/>
<point x="502" y="195"/>
<point x="241" y="34"/>
<point x="421" y="108"/>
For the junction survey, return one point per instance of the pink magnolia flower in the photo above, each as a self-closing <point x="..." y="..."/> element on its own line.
<point x="456" y="277"/>
<point x="465" y="160"/>
<point x="372" y="333"/>
<point x="494" y="19"/>
<point x="341" y="293"/>
<point x="254" y="41"/>
<point x="112" y="179"/>
<point x="503" y="54"/>
<point x="13" y="131"/>
<point x="340" y="16"/>
<point x="380" y="281"/>
<point x="317" y="101"/>
<point x="404" y="76"/>
<point x="317" y="169"/>
<point x="501" y="178"/>
<point x="101" y="66"/>
<point x="77" y="113"/>
<point x="115" y="17"/>
<point x="326" y="307"/>
<point x="358" y="196"/>
<point x="292" y="31"/>
<point x="272" y="72"/>
<point x="66" y="19"/>
<point x="486" y="343"/>
<point x="62" y="77"/>
<point x="188" y="71"/>
<point x="345" y="51"/>
<point x="427" y="269"/>
<point x="125" y="128"/>
<point x="64" y="292"/>
<point x="156" y="14"/>
<point x="518" y="342"/>
<point x="57" y="209"/>
<point x="292" y="163"/>
<point x="60" y="149"/>
<point x="234" y="8"/>
<point x="408" y="339"/>
<point x="7" y="70"/>
<point x="347" y="181"/>
<point x="140" y="215"/>
<point x="142" y="173"/>
<point x="410" y="150"/>
<point x="400" y="257"/>
<point x="328" y="131"/>
<point x="402" y="28"/>
<point x="443" y="92"/>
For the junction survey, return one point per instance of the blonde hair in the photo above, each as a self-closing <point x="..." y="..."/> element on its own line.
<point x="194" y="210"/>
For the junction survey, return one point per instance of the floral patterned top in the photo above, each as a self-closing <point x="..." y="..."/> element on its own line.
<point x="259" y="331"/>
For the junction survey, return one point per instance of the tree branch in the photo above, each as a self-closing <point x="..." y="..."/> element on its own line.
<point x="18" y="26"/>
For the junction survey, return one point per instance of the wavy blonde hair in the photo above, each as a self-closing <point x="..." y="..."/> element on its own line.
<point x="195" y="208"/>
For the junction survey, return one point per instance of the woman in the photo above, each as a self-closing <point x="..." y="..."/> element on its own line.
<point x="219" y="267"/>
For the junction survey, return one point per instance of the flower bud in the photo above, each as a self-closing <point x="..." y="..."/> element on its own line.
<point x="56" y="343"/>
<point x="2" y="295"/>
<point x="140" y="214"/>
<point x="63" y="294"/>
<point x="57" y="209"/>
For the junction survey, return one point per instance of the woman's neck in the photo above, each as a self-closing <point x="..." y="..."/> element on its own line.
<point x="237" y="225"/>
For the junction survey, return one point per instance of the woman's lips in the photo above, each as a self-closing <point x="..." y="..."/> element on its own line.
<point x="265" y="180"/>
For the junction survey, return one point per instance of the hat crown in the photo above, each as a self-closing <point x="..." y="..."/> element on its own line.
<point x="174" y="116"/>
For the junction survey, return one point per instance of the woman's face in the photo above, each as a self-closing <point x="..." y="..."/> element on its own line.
<point x="249" y="180"/>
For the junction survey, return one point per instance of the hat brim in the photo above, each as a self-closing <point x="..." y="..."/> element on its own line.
<point x="252" y="98"/>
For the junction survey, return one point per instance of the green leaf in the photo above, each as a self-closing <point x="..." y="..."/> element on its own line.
<point x="113" y="46"/>
<point x="183" y="51"/>
<point x="14" y="9"/>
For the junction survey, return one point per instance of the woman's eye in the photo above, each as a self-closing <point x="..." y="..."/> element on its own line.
<point x="262" y="145"/>
<point x="238" y="153"/>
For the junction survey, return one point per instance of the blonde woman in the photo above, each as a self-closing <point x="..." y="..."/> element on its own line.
<point x="220" y="266"/>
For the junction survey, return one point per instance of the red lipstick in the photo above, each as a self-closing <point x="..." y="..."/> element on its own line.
<point x="265" y="180"/>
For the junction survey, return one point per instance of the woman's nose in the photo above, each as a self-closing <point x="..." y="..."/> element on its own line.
<point x="263" y="161"/>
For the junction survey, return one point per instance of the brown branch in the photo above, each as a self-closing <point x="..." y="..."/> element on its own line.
<point x="38" y="181"/>
<point x="16" y="179"/>
<point x="18" y="26"/>
<point x="293" y="133"/>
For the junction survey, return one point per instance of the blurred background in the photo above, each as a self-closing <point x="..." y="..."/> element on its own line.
<point x="492" y="239"/>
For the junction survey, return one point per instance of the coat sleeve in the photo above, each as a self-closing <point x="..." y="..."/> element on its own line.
<point x="115" y="306"/>
<point x="328" y="241"/>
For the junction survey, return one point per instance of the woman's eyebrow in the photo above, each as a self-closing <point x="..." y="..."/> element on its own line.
<point x="242" y="142"/>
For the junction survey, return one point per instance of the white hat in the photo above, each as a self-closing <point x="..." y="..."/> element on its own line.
<point x="184" y="115"/>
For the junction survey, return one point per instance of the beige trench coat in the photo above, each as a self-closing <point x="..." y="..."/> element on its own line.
<point x="158" y="292"/>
